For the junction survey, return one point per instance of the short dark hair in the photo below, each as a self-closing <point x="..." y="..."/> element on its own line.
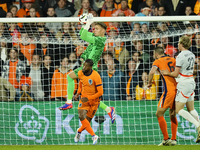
<point x="89" y="61"/>
<point x="47" y="55"/>
<point x="103" y="25"/>
<point x="159" y="50"/>
<point x="13" y="48"/>
<point x="13" y="6"/>
<point x="63" y="57"/>
<point x="50" y="7"/>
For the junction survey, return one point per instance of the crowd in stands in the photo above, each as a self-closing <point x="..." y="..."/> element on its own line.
<point x="37" y="57"/>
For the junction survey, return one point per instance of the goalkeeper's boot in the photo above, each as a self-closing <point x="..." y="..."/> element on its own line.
<point x="164" y="143"/>
<point x="112" y="114"/>
<point x="77" y="136"/>
<point x="172" y="142"/>
<point x="198" y="136"/>
<point x="66" y="106"/>
<point x="95" y="139"/>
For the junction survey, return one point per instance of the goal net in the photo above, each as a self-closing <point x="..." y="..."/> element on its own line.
<point x="37" y="54"/>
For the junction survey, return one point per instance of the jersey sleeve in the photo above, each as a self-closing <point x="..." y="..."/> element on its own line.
<point x="179" y="61"/>
<point x="87" y="36"/>
<point x="155" y="64"/>
<point x="79" y="74"/>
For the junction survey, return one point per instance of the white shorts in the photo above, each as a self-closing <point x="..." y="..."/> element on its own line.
<point x="185" y="92"/>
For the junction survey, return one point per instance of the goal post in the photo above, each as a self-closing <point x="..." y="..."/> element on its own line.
<point x="37" y="120"/>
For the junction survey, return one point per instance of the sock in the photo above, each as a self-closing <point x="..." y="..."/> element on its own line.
<point x="70" y="89"/>
<point x="188" y="117"/>
<point x="195" y="114"/>
<point x="87" y="127"/>
<point x="108" y="109"/>
<point x="103" y="106"/>
<point x="163" y="127"/>
<point x="174" y="126"/>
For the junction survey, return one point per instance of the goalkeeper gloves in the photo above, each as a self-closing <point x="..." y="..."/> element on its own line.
<point x="89" y="21"/>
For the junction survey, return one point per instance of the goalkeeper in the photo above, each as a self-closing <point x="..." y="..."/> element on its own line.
<point x="93" y="52"/>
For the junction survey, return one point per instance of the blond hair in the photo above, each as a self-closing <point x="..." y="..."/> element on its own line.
<point x="185" y="41"/>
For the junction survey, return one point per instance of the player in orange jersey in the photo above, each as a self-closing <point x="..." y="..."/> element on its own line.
<point x="91" y="93"/>
<point x="167" y="99"/>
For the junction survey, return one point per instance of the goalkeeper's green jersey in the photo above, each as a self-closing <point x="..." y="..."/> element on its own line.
<point x="95" y="47"/>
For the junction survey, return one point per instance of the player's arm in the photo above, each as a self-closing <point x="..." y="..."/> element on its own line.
<point x="174" y="74"/>
<point x="79" y="91"/>
<point x="85" y="35"/>
<point x="99" y="87"/>
<point x="151" y="73"/>
<point x="79" y="88"/>
<point x="99" y="92"/>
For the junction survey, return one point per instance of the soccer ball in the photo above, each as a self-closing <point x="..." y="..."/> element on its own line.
<point x="83" y="19"/>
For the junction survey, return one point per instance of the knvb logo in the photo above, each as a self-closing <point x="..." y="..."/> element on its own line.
<point x="31" y="126"/>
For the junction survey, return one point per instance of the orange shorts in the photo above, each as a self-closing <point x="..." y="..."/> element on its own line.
<point x="91" y="106"/>
<point x="167" y="100"/>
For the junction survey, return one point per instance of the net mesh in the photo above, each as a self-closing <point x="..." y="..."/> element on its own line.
<point x="47" y="52"/>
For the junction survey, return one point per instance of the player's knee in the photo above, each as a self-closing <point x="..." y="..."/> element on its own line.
<point x="159" y="114"/>
<point x="81" y="117"/>
<point x="177" y="110"/>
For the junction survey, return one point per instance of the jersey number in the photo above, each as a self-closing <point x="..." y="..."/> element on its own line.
<point x="191" y="63"/>
<point x="170" y="66"/>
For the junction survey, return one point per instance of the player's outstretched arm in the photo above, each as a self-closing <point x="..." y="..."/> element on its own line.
<point x="151" y="73"/>
<point x="85" y="35"/>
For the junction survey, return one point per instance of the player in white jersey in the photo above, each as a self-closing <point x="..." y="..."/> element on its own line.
<point x="186" y="84"/>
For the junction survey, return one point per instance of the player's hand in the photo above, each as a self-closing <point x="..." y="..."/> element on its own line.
<point x="149" y="85"/>
<point x="90" y="19"/>
<point x="84" y="99"/>
<point x="76" y="97"/>
<point x="128" y="98"/>
<point x="165" y="72"/>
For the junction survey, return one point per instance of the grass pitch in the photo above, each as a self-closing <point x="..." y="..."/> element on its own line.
<point x="99" y="147"/>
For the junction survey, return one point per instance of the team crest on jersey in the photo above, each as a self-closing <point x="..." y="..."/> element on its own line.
<point x="80" y="105"/>
<point x="90" y="81"/>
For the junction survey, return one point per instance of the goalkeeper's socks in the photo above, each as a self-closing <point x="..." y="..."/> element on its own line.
<point x="70" y="88"/>
<point x="69" y="101"/>
<point x="174" y="126"/>
<point x="104" y="107"/>
<point x="163" y="127"/>
<point x="108" y="109"/>
<point x="188" y="117"/>
<point x="87" y="127"/>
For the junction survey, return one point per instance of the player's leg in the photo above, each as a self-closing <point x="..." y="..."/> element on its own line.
<point x="85" y="123"/>
<point x="163" y="125"/>
<point x="191" y="110"/>
<point x="109" y="110"/>
<point x="164" y="103"/>
<point x="174" y="126"/>
<point x="70" y="90"/>
<point x="194" y="113"/>
<point x="181" y="100"/>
